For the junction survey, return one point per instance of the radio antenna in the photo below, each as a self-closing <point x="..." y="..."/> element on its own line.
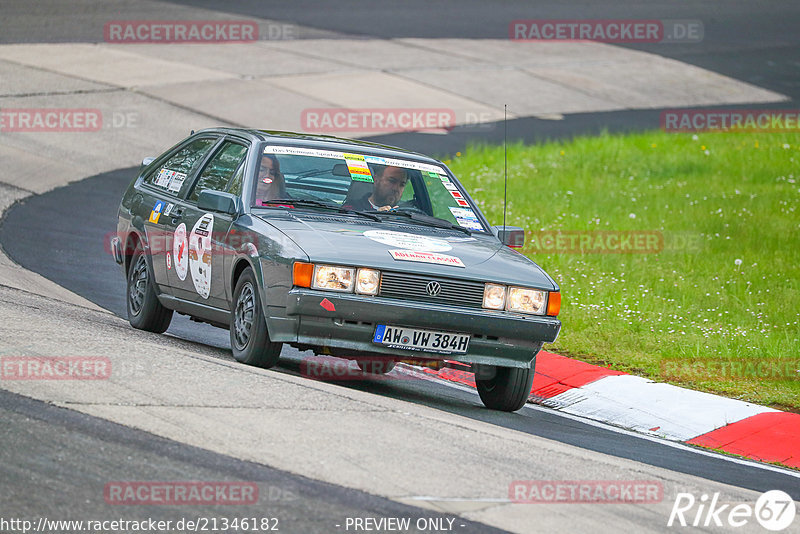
<point x="505" y="165"/>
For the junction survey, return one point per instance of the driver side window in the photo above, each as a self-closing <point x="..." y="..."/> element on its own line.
<point x="220" y="170"/>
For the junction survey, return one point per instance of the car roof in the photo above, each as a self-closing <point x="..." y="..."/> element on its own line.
<point x="327" y="142"/>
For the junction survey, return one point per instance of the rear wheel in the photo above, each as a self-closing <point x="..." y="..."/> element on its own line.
<point x="145" y="312"/>
<point x="504" y="388"/>
<point x="249" y="337"/>
<point x="376" y="367"/>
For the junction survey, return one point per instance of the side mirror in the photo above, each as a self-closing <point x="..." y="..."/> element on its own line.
<point x="511" y="236"/>
<point x="210" y="200"/>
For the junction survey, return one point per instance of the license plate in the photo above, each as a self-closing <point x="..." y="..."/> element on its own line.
<point x="397" y="337"/>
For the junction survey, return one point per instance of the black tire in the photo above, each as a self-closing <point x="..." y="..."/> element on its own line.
<point x="249" y="336"/>
<point x="504" y="388"/>
<point x="145" y="312"/>
<point x="376" y="367"/>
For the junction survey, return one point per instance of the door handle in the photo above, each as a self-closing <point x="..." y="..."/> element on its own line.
<point x="176" y="215"/>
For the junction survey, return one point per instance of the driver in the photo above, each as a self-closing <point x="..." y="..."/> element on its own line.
<point x="387" y="188"/>
<point x="271" y="184"/>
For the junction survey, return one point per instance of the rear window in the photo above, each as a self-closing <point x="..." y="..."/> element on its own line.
<point x="171" y="175"/>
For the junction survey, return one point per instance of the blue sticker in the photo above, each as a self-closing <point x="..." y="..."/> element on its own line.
<point x="379" y="333"/>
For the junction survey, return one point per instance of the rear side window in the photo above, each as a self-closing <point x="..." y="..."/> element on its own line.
<point x="173" y="172"/>
<point x="219" y="171"/>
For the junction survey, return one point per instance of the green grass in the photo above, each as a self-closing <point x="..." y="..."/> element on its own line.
<point x="725" y="287"/>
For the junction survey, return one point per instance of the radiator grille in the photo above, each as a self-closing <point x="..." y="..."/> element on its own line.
<point x="414" y="287"/>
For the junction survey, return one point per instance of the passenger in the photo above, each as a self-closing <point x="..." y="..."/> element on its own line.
<point x="271" y="184"/>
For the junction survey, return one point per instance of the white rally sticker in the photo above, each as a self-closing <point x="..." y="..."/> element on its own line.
<point x="466" y="218"/>
<point x="180" y="251"/>
<point x="426" y="257"/>
<point x="408" y="241"/>
<point x="168" y="209"/>
<point x="177" y="181"/>
<point x="332" y="154"/>
<point x="200" y="254"/>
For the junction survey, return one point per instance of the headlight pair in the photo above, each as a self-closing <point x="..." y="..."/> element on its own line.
<point x="336" y="278"/>
<point x="521" y="300"/>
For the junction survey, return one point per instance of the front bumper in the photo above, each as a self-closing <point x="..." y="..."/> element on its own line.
<point x="348" y="322"/>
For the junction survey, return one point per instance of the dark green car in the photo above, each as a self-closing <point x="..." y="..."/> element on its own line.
<point x="347" y="248"/>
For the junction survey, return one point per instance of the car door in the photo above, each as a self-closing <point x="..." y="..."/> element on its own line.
<point x="160" y="193"/>
<point x="202" y="236"/>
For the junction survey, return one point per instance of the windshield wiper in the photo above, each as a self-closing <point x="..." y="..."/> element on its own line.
<point x="427" y="220"/>
<point x="318" y="204"/>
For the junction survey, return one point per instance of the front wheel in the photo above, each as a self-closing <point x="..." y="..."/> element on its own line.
<point x="504" y="388"/>
<point x="249" y="336"/>
<point x="145" y="312"/>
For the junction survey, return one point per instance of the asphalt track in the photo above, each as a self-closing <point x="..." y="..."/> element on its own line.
<point x="70" y="247"/>
<point x="60" y="460"/>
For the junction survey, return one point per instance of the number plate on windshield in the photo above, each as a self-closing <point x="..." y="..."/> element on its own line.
<point x="397" y="337"/>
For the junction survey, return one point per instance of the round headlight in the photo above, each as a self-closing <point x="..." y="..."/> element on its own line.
<point x="367" y="281"/>
<point x="494" y="296"/>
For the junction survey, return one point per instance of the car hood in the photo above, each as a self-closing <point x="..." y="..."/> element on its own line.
<point x="364" y="243"/>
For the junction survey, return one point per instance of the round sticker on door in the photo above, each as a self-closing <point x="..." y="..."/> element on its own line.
<point x="200" y="254"/>
<point x="180" y="251"/>
<point x="420" y="243"/>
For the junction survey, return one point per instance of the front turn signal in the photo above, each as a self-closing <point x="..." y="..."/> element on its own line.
<point x="554" y="303"/>
<point x="302" y="274"/>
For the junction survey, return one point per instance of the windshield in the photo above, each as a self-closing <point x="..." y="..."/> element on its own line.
<point x="360" y="182"/>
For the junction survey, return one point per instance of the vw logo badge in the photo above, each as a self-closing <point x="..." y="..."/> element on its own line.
<point x="433" y="288"/>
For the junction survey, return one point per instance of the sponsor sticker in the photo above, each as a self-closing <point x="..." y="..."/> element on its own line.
<point x="359" y="171"/>
<point x="155" y="213"/>
<point x="177" y="181"/>
<point x="180" y="250"/>
<point x="200" y="254"/>
<point x="169" y="261"/>
<point x="426" y="257"/>
<point x="168" y="209"/>
<point x="408" y="241"/>
<point x="462" y="202"/>
<point x="466" y="218"/>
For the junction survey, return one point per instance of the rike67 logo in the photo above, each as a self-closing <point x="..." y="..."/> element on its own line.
<point x="774" y="510"/>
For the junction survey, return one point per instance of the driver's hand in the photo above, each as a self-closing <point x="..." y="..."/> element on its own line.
<point x="387" y="208"/>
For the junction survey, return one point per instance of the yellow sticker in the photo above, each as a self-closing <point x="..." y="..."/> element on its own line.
<point x="155" y="213"/>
